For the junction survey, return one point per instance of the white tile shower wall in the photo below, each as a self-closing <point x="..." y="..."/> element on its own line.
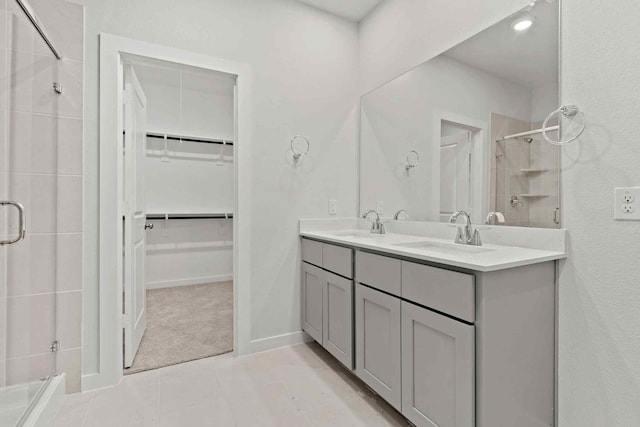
<point x="41" y="141"/>
<point x="305" y="80"/>
<point x="508" y="179"/>
<point x="4" y="33"/>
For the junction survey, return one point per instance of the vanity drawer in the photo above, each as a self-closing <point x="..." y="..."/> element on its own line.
<point x="312" y="252"/>
<point x="443" y="290"/>
<point x="379" y="272"/>
<point x="337" y="259"/>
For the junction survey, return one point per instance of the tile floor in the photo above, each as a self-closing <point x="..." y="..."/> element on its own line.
<point x="298" y="386"/>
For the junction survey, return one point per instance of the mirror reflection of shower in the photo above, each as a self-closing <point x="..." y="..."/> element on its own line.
<point x="525" y="172"/>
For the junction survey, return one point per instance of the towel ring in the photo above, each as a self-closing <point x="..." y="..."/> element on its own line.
<point x="298" y="154"/>
<point x="412" y="161"/>
<point x="567" y="111"/>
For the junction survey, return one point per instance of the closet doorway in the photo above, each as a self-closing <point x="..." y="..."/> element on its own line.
<point x="178" y="209"/>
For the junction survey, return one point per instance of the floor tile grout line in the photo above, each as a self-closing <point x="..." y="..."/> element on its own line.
<point x="86" y="414"/>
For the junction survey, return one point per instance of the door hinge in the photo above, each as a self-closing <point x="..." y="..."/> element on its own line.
<point x="55" y="346"/>
<point x="125" y="321"/>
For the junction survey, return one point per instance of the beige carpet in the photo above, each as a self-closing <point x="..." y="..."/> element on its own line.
<point x="185" y="323"/>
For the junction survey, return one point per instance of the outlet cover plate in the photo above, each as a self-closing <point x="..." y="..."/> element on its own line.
<point x="626" y="203"/>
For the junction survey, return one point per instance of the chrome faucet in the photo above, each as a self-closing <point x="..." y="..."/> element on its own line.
<point x="466" y="235"/>
<point x="377" y="226"/>
<point x="495" y="218"/>
<point x="400" y="212"/>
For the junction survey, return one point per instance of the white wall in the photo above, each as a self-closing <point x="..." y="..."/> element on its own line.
<point x="188" y="252"/>
<point x="599" y="305"/>
<point x="599" y="292"/>
<point x="188" y="177"/>
<point x="305" y="80"/>
<point x="544" y="100"/>
<point x="400" y="34"/>
<point x="400" y="116"/>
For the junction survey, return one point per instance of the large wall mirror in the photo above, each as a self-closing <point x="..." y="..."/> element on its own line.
<point x="462" y="131"/>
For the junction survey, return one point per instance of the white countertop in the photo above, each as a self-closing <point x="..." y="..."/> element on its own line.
<point x="439" y="250"/>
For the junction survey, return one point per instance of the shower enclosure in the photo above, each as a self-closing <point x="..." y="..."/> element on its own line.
<point x="525" y="173"/>
<point x="35" y="167"/>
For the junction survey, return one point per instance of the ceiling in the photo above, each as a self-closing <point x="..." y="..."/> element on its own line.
<point x="353" y="10"/>
<point x="529" y="58"/>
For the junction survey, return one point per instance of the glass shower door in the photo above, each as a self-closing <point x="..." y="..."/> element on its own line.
<point x="28" y="195"/>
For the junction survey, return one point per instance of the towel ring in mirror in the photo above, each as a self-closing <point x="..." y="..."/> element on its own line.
<point x="413" y="160"/>
<point x="566" y="111"/>
<point x="299" y="147"/>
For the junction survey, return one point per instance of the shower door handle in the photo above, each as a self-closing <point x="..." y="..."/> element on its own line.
<point x="22" y="232"/>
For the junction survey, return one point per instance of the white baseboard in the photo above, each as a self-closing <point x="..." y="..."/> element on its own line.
<point x="270" y="343"/>
<point x="191" y="281"/>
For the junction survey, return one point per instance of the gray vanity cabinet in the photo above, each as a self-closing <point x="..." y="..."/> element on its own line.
<point x="438" y="362"/>
<point x="327" y="297"/>
<point x="378" y="343"/>
<point x="445" y="346"/>
<point x="337" y="328"/>
<point x="312" y="296"/>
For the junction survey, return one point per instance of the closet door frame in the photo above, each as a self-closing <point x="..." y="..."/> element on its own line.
<point x="114" y="52"/>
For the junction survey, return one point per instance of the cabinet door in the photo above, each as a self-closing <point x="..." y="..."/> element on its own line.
<point x="378" y="343"/>
<point x="438" y="369"/>
<point x="337" y="332"/>
<point x="312" y="295"/>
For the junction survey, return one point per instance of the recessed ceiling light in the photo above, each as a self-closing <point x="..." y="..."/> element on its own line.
<point x="523" y="23"/>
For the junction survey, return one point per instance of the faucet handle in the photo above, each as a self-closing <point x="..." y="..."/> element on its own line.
<point x="476" y="240"/>
<point x="381" y="229"/>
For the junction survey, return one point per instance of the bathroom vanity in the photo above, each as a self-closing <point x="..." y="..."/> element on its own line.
<point x="449" y="335"/>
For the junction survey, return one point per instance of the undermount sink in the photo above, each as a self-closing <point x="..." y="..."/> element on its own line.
<point x="448" y="248"/>
<point x="357" y="234"/>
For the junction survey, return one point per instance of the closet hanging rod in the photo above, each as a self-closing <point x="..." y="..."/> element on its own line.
<point x="527" y="133"/>
<point x="189" y="139"/>
<point x="31" y="14"/>
<point x="191" y="216"/>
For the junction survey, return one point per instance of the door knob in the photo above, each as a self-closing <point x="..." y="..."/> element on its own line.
<point x="148" y="226"/>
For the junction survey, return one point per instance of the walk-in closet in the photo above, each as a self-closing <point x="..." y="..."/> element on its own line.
<point x="178" y="257"/>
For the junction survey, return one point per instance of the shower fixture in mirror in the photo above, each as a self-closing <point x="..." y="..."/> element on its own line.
<point x="475" y="114"/>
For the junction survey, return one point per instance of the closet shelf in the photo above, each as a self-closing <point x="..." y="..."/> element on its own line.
<point x="190" y="216"/>
<point x="183" y="138"/>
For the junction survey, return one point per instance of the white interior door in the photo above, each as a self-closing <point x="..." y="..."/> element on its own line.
<point x="135" y="112"/>
<point x="456" y="162"/>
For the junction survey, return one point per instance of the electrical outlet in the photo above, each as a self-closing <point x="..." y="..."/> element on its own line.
<point x="625" y="200"/>
<point x="332" y="207"/>
<point x="380" y="209"/>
